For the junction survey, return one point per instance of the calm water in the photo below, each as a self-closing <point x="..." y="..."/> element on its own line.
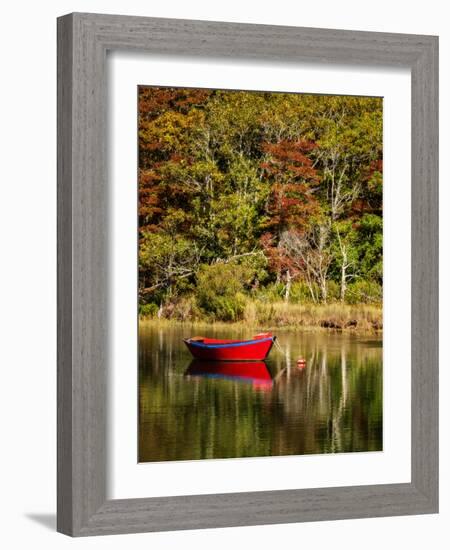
<point x="195" y="410"/>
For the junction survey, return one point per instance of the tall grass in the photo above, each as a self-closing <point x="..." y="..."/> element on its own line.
<point x="280" y="314"/>
<point x="336" y="315"/>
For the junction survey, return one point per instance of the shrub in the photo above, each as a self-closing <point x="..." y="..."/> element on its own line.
<point x="333" y="290"/>
<point x="364" y="292"/>
<point x="148" y="310"/>
<point x="220" y="290"/>
<point x="185" y="309"/>
<point x="300" y="293"/>
<point x="271" y="293"/>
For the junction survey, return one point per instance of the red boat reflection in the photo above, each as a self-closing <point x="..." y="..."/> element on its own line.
<point x="255" y="372"/>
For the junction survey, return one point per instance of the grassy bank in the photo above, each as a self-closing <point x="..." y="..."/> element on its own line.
<point x="279" y="315"/>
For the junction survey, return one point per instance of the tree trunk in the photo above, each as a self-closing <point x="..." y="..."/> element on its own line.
<point x="311" y="290"/>
<point x="344" y="267"/>
<point x="160" y="311"/>
<point x="343" y="281"/>
<point x="288" y="286"/>
<point x="324" y="290"/>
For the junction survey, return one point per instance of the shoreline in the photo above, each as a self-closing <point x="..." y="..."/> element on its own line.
<point x="278" y="316"/>
<point x="238" y="326"/>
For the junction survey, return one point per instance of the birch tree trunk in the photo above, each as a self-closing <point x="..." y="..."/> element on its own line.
<point x="345" y="264"/>
<point x="344" y="274"/>
<point x="288" y="286"/>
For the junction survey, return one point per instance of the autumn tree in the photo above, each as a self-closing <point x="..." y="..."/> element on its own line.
<point x="288" y="186"/>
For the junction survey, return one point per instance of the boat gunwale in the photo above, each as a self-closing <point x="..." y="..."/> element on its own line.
<point x="229" y="345"/>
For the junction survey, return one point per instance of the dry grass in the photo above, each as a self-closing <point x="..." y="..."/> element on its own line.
<point x="279" y="315"/>
<point x="330" y="316"/>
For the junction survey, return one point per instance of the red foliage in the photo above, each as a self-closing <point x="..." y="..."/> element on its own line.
<point x="279" y="261"/>
<point x="375" y="166"/>
<point x="367" y="203"/>
<point x="292" y="201"/>
<point x="289" y="159"/>
<point x="154" y="101"/>
<point x="154" y="197"/>
<point x="149" y="201"/>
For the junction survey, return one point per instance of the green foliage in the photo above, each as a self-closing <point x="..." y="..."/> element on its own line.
<point x="370" y="247"/>
<point x="333" y="291"/>
<point x="220" y="290"/>
<point x="301" y="294"/>
<point x="148" y="310"/>
<point x="270" y="293"/>
<point x="165" y="260"/>
<point x="365" y="292"/>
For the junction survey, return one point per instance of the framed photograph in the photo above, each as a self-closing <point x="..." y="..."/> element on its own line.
<point x="247" y="274"/>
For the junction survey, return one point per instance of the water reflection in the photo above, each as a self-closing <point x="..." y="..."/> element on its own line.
<point x="194" y="409"/>
<point x="255" y="372"/>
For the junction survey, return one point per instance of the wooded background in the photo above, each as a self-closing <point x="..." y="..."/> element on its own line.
<point x="249" y="200"/>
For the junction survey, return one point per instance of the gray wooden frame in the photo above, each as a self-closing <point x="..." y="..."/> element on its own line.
<point x="83" y="40"/>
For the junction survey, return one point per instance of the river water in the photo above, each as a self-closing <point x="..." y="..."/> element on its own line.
<point x="197" y="410"/>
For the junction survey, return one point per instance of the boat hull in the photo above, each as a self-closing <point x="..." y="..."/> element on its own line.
<point x="250" y="350"/>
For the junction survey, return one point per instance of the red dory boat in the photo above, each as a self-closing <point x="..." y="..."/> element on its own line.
<point x="211" y="349"/>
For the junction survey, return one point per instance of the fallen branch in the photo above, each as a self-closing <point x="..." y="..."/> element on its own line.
<point x="237" y="256"/>
<point x="149" y="289"/>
